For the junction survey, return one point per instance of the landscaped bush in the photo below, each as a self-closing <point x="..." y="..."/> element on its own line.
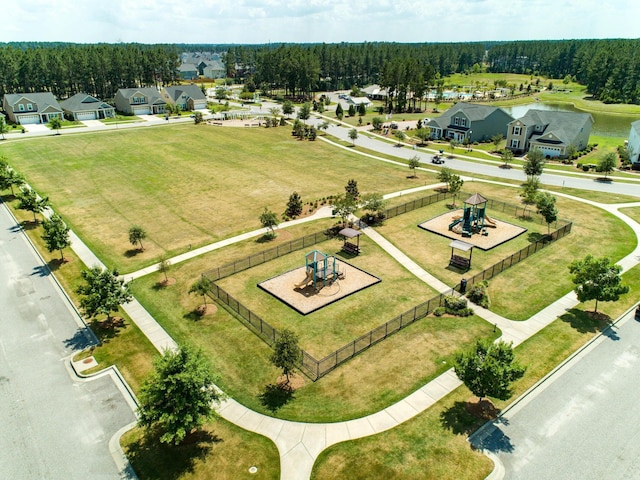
<point x="438" y="312"/>
<point x="478" y="294"/>
<point x="457" y="306"/>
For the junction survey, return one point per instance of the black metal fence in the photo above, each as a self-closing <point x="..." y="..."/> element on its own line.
<point x="318" y="368"/>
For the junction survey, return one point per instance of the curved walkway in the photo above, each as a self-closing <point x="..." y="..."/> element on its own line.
<point x="300" y="443"/>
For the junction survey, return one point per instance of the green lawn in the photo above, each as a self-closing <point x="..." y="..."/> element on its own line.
<point x="186" y="185"/>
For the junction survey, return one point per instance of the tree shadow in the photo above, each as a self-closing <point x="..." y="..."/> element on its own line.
<point x="132" y="252"/>
<point x="586" y="322"/>
<point x="266" y="238"/>
<point x="109" y="328"/>
<point x="30" y="224"/>
<point x="152" y="459"/>
<point x="533" y="237"/>
<point x="275" y="397"/>
<point x="495" y="442"/>
<point x="464" y="418"/>
<point x="194" y="315"/>
<point x="81" y="340"/>
<point x="41" y="270"/>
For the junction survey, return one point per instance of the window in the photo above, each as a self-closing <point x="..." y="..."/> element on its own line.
<point x="29" y="107"/>
<point x="515" y="143"/>
<point x="517" y="130"/>
<point x="459" y="121"/>
<point x="21" y="107"/>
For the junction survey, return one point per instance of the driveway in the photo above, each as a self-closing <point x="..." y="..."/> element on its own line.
<point x="53" y="425"/>
<point x="582" y="422"/>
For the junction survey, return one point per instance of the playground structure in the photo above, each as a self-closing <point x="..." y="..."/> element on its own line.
<point x="474" y="218"/>
<point x="320" y="269"/>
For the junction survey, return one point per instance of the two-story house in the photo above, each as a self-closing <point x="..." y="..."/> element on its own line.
<point x="83" y="106"/>
<point x="469" y="122"/>
<point x="188" y="97"/>
<point x="140" y="101"/>
<point x="214" y="69"/>
<point x="188" y="71"/>
<point x="552" y="132"/>
<point x="30" y="108"/>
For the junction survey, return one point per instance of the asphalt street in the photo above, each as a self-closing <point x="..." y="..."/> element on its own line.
<point x="479" y="168"/>
<point x="54" y="425"/>
<point x="582" y="422"/>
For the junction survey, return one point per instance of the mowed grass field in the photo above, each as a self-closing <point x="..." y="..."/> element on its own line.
<point x="185" y="185"/>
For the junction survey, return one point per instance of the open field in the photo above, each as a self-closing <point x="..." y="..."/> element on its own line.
<point x="186" y="185"/>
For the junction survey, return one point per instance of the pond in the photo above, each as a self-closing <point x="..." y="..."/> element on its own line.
<point x="604" y="124"/>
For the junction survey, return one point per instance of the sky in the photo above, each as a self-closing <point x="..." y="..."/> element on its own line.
<point x="314" y="21"/>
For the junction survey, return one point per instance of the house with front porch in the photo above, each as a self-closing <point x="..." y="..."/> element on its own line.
<point x="30" y="108"/>
<point x="552" y="132"/>
<point x="469" y="122"/>
<point x="83" y="106"/>
<point x="188" y="71"/>
<point x="633" y="145"/>
<point x="188" y="97"/>
<point x="140" y="101"/>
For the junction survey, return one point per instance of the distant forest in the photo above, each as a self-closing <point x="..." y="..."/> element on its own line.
<point x="610" y="68"/>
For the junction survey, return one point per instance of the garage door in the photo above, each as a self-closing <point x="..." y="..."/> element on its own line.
<point x="29" y="119"/>
<point x="141" y="111"/>
<point x="86" y="116"/>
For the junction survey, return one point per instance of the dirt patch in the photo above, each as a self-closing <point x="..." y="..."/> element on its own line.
<point x="207" y="310"/>
<point x="296" y="381"/>
<point x="483" y="409"/>
<point x="166" y="282"/>
<point x="111" y="323"/>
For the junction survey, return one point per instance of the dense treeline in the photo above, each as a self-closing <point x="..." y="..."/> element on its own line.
<point x="610" y="69"/>
<point x="100" y="70"/>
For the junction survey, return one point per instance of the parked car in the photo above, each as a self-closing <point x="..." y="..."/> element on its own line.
<point x="393" y="126"/>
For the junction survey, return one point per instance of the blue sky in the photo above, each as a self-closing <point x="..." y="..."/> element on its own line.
<point x="264" y="21"/>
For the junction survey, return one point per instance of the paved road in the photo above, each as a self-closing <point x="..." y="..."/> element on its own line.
<point x="582" y="182"/>
<point x="53" y="426"/>
<point x="583" y="422"/>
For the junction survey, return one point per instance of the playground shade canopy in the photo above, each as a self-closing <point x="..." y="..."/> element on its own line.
<point x="475" y="199"/>
<point x="349" y="232"/>
<point x="460" y="245"/>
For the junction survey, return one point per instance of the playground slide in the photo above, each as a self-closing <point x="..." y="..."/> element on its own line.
<point x="306" y="280"/>
<point x="489" y="222"/>
<point x="455" y="222"/>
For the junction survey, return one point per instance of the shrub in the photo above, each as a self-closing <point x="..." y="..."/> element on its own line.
<point x="457" y="306"/>
<point x="478" y="295"/>
<point x="438" y="312"/>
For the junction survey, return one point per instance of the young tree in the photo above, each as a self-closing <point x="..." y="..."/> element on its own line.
<point x="221" y="93"/>
<point x="56" y="124"/>
<point x="534" y="163"/>
<point x="507" y="158"/>
<point x="324" y="126"/>
<point x="30" y="201"/>
<point x="546" y="205"/>
<point x="163" y="267"/>
<point x="444" y="175"/>
<point x="56" y="234"/>
<point x="453" y="144"/>
<point x="298" y="129"/>
<point x="287" y="107"/>
<point x="304" y="112"/>
<point x="362" y="110"/>
<point x="400" y="135"/>
<point x="414" y="162"/>
<point x="344" y="206"/>
<point x="294" y="205"/>
<point x="377" y="123"/>
<point x="423" y="134"/>
<point x="529" y="193"/>
<point x="454" y="186"/>
<point x="353" y="135"/>
<point x="201" y="287"/>
<point x="136" y="235"/>
<point x="4" y="128"/>
<point x="488" y="369"/>
<point x="607" y="163"/>
<point x="373" y="203"/>
<point x="198" y="118"/>
<point x="351" y="189"/>
<point x="286" y="352"/>
<point x="352" y="110"/>
<point x="339" y="112"/>
<point x="597" y="279"/>
<point x="496" y="139"/>
<point x="102" y="293"/>
<point x="269" y="220"/>
<point x="179" y="394"/>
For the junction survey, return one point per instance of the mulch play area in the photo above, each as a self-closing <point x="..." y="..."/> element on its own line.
<point x="502" y="232"/>
<point x="306" y="299"/>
